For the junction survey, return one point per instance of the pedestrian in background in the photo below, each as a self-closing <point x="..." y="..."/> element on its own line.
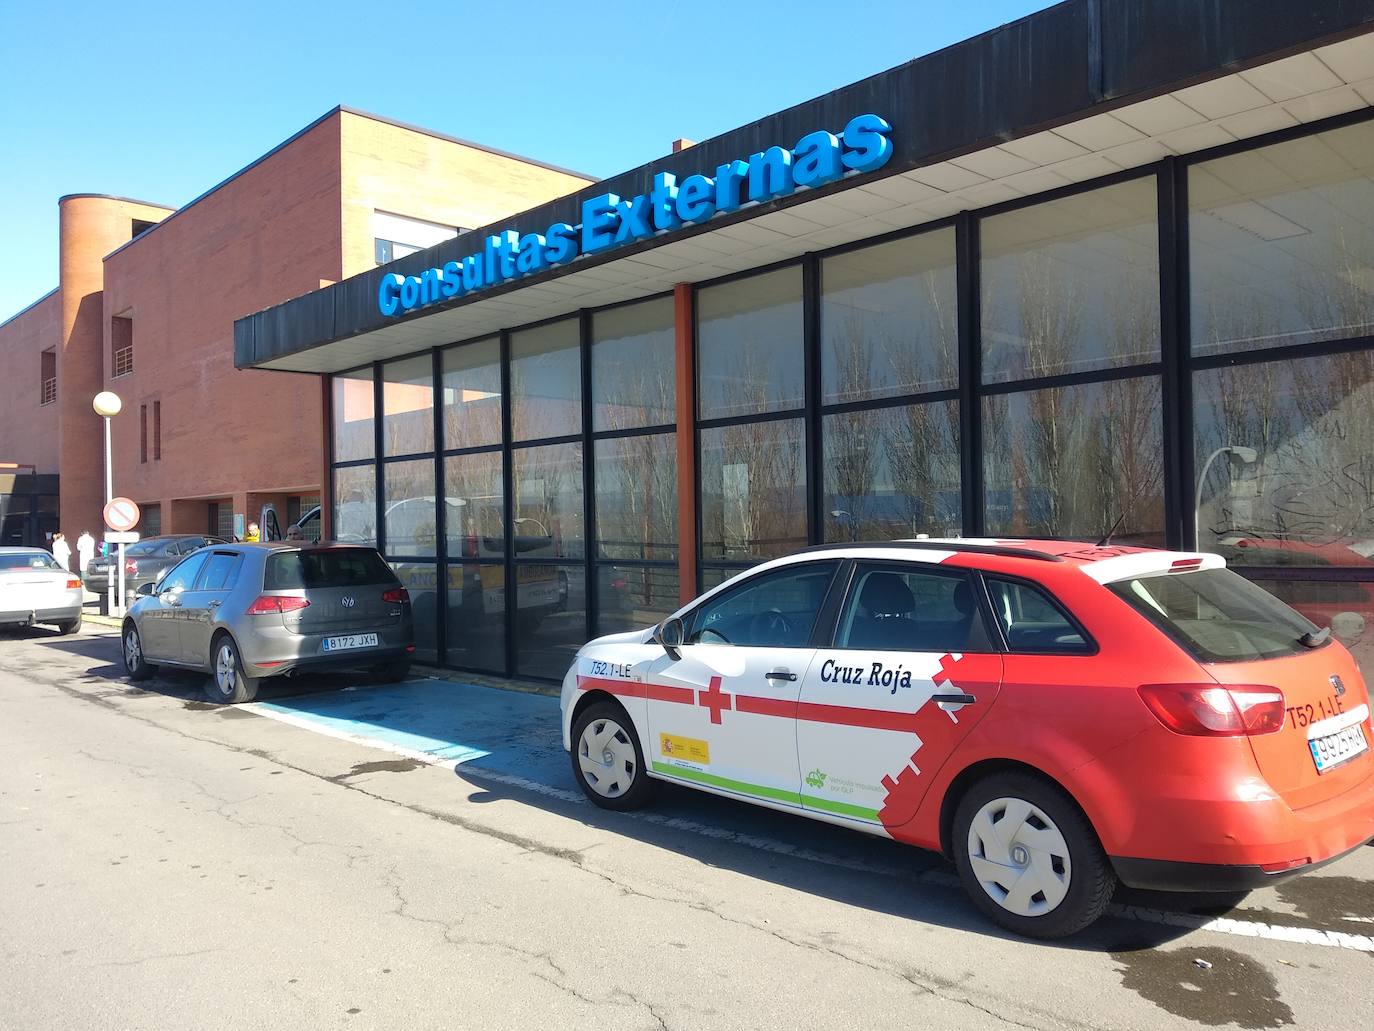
<point x="62" y="551"/>
<point x="254" y="534"/>
<point x="85" y="549"/>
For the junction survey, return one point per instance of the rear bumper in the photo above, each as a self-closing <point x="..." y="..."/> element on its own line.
<point x="358" y="659"/>
<point x="271" y="650"/>
<point x="57" y="614"/>
<point x="1167" y="875"/>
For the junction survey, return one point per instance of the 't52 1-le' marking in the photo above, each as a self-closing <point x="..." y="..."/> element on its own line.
<point x="1302" y="715"/>
<point x="619" y="670"/>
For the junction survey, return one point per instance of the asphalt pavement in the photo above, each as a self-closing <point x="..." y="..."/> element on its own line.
<point x="339" y="854"/>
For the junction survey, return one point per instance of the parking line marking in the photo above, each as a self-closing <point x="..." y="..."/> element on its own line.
<point x="939" y="877"/>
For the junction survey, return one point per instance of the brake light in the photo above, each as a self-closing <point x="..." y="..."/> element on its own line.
<point x="269" y="604"/>
<point x="469" y="546"/>
<point x="1183" y="565"/>
<point x="72" y="582"/>
<point x="1211" y="710"/>
<point x="395" y="595"/>
<point x="131" y="568"/>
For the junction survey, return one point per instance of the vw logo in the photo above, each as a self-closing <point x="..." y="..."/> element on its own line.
<point x="347" y="602"/>
<point x="1338" y="684"/>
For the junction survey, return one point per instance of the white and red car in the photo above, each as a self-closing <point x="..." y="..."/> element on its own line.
<point x="1057" y="717"/>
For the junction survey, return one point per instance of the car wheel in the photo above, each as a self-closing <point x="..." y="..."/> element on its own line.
<point x="607" y="760"/>
<point x="391" y="672"/>
<point x="136" y="664"/>
<point x="69" y="626"/>
<point x="1029" y="858"/>
<point x="228" y="685"/>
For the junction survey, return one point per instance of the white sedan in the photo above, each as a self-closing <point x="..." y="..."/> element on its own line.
<point x="35" y="589"/>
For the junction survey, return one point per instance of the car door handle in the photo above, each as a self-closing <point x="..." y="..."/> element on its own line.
<point x="172" y="602"/>
<point x="953" y="698"/>
<point x="213" y="605"/>
<point x="780" y="674"/>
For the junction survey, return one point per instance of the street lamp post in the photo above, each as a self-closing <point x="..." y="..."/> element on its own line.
<point x="1248" y="455"/>
<point x="107" y="405"/>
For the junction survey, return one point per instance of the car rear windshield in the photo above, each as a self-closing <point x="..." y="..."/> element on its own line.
<point x="335" y="567"/>
<point x="27" y="560"/>
<point x="145" y="548"/>
<point x="1217" y="615"/>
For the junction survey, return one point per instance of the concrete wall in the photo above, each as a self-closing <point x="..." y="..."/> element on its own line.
<point x="270" y="234"/>
<point x="28" y="430"/>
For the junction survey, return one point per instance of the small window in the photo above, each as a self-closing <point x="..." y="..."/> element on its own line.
<point x="48" y="377"/>
<point x="143" y="434"/>
<point x="157" y="431"/>
<point x="1034" y="622"/>
<point x="773" y="610"/>
<point x="182" y="576"/>
<point x="895" y="608"/>
<point x="221" y="570"/>
<point x="121" y="346"/>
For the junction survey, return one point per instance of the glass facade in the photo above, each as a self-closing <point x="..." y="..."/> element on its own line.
<point x="1182" y="354"/>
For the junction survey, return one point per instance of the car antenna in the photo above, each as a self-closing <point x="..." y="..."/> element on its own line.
<point x="1115" y="526"/>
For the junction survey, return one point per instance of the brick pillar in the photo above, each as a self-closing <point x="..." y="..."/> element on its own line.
<point x="684" y="328"/>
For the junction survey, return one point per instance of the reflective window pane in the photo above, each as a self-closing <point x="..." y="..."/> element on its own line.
<point x="892" y="472"/>
<point x="421" y="580"/>
<point x="1284" y="458"/>
<point x="409" y="509"/>
<point x="749" y="345"/>
<point x="408" y="406"/>
<point x="477" y="617"/>
<point x="1347" y="607"/>
<point x="1067" y="462"/>
<point x="476" y="512"/>
<point x="888" y="319"/>
<point x="550" y="620"/>
<point x="355" y="504"/>
<point x="771" y="610"/>
<point x="633" y="597"/>
<point x="1281" y="243"/>
<point x="634" y="381"/>
<point x="753" y="490"/>
<point x="548" y="502"/>
<point x="353" y="406"/>
<point x="472" y="394"/>
<point x="546" y="381"/>
<point x="1072" y="284"/>
<point x="636" y="497"/>
<point x="714" y="576"/>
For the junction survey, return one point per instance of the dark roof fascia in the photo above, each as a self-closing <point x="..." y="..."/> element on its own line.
<point x="115" y="197"/>
<point x="29" y="307"/>
<point x="1069" y="61"/>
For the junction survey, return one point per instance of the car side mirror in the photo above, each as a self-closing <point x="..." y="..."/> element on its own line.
<point x="670" y="634"/>
<point x="144" y="590"/>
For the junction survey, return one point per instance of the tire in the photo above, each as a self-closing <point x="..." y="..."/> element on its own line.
<point x="69" y="626"/>
<point x="1070" y="879"/>
<point x="136" y="664"/>
<point x="391" y="672"/>
<point x="616" y="777"/>
<point x="227" y="683"/>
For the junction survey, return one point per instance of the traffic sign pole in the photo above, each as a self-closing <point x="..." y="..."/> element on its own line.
<point x="121" y="516"/>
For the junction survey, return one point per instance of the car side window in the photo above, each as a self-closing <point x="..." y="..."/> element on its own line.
<point x="772" y="610"/>
<point x="182" y="575"/>
<point x="1032" y="621"/>
<point x="894" y="607"/>
<point x="221" y="570"/>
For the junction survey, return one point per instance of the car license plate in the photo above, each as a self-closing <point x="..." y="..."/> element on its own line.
<point x="1334" y="749"/>
<point x="347" y="641"/>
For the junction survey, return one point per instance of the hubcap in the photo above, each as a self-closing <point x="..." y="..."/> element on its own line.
<point x="132" y="651"/>
<point x="606" y="757"/>
<point x="1019" y="857"/>
<point x="226" y="670"/>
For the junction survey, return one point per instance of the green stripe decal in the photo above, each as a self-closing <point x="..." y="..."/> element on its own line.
<point x="760" y="791"/>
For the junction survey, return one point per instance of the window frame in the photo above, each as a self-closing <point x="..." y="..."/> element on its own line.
<point x="859" y="567"/>
<point x="1092" y="648"/>
<point x="822" y="625"/>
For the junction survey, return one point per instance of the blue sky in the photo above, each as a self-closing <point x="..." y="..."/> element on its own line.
<point x="160" y="101"/>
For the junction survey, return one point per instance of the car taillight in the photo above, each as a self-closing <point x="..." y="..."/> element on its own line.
<point x="72" y="582"/>
<point x="1211" y="710"/>
<point x="131" y="568"/>
<point x="469" y="547"/>
<point x="269" y="604"/>
<point x="395" y="595"/>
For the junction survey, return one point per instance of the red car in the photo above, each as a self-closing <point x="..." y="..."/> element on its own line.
<point x="1056" y="717"/>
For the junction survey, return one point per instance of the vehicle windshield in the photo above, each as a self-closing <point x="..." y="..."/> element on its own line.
<point x="28" y="560"/>
<point x="1217" y="615"/>
<point x="334" y="567"/>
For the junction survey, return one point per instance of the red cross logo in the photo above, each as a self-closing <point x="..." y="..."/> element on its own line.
<point x="714" y="700"/>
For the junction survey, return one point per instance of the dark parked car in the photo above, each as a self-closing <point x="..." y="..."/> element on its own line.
<point x="242" y="612"/>
<point x="144" y="562"/>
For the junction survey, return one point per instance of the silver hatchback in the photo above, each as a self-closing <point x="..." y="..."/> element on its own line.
<point x="243" y="612"/>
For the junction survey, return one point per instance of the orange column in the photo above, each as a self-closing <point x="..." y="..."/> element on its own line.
<point x="326" y="459"/>
<point x="684" y="331"/>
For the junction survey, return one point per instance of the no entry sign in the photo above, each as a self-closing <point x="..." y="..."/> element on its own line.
<point x="121" y="514"/>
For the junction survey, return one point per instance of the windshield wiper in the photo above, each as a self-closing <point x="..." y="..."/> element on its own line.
<point x="1315" y="638"/>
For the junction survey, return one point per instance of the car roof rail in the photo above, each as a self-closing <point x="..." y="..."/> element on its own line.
<point x="977" y="549"/>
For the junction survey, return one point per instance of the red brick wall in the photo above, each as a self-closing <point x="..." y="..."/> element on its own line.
<point x="28" y="431"/>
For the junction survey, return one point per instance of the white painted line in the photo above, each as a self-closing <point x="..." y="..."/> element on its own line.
<point x="941" y="878"/>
